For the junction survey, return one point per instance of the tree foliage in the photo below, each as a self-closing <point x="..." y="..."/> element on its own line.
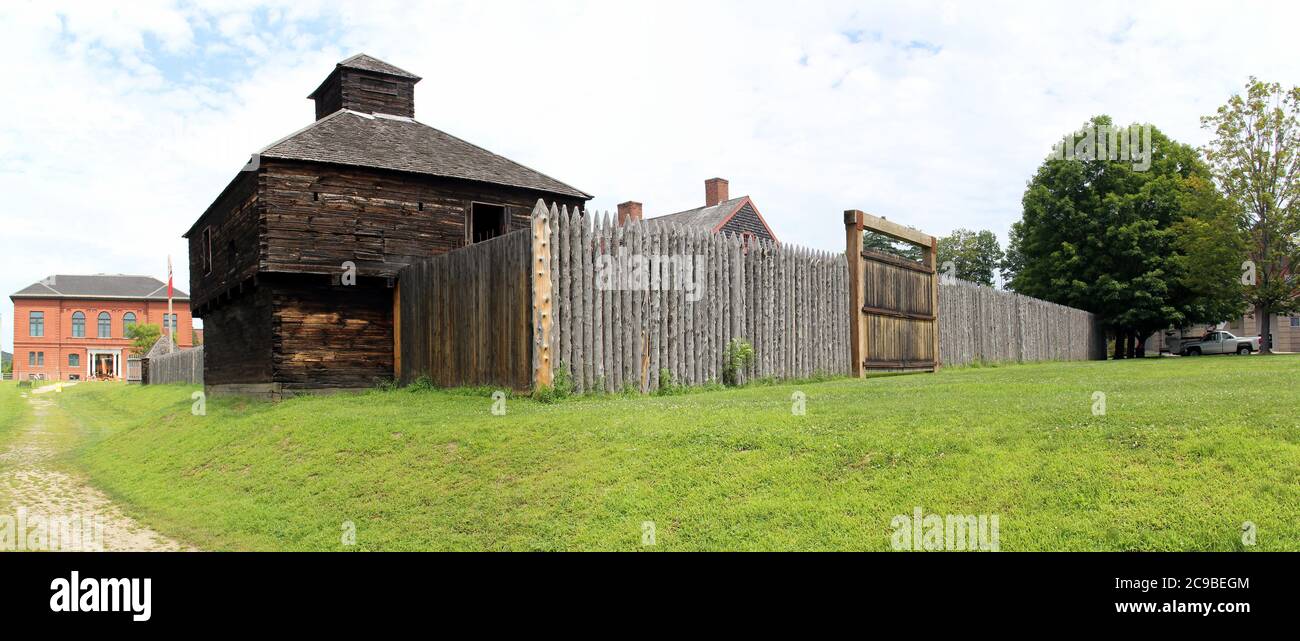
<point x="143" y="338"/>
<point x="1255" y="160"/>
<point x="975" y="256"/>
<point x="1126" y="243"/>
<point x="885" y="244"/>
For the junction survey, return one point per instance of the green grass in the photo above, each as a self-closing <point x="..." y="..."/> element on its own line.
<point x="1187" y="451"/>
<point x="12" y="410"/>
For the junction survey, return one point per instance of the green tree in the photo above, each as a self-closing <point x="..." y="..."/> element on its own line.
<point x="882" y="243"/>
<point x="1111" y="236"/>
<point x="1255" y="159"/>
<point x="975" y="256"/>
<point x="143" y="338"/>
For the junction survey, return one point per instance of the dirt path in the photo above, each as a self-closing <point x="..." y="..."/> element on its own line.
<point x="30" y="483"/>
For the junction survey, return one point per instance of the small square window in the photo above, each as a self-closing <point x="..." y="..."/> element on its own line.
<point x="486" y="221"/>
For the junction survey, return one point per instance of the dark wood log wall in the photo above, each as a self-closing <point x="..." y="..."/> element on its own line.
<point x="366" y="92"/>
<point x="233" y="222"/>
<point x="327" y="335"/>
<point x="318" y="216"/>
<point x="237" y="339"/>
<point x="466" y="316"/>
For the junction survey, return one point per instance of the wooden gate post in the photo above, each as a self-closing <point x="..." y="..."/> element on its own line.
<point x="543" y="367"/>
<point x="853" y="255"/>
<point x="932" y="259"/>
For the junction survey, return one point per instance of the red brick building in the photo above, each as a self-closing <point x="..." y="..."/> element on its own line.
<point x="74" y="327"/>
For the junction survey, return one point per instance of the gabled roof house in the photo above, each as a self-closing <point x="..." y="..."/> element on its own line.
<point x="720" y="214"/>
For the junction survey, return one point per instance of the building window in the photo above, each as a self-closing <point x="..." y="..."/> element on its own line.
<point x="36" y="324"/>
<point x="31" y="359"/>
<point x="40" y="359"/>
<point x="78" y="325"/>
<point x="105" y="325"/>
<point x="207" y="250"/>
<point x="486" y="221"/>
<point x="1295" y="321"/>
<point x="169" y="323"/>
<point x="74" y="360"/>
<point x="128" y="321"/>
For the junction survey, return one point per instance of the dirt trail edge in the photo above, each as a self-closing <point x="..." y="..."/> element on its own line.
<point x="49" y="498"/>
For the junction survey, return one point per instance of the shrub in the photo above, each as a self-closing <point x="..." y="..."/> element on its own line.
<point x="738" y="356"/>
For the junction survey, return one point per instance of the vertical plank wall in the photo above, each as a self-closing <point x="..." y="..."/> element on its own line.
<point x="184" y="366"/>
<point x="466" y="315"/>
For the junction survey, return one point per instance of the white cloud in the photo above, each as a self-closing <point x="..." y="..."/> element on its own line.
<point x="118" y="126"/>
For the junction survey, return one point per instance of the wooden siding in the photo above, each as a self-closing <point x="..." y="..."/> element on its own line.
<point x="237" y="337"/>
<point x="319" y="216"/>
<point x="366" y="92"/>
<point x="466" y="316"/>
<point x="234" y="223"/>
<point x="329" y="336"/>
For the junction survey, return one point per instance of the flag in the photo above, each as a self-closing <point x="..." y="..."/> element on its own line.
<point x="168" y="323"/>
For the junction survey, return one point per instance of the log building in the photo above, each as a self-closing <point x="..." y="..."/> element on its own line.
<point x="293" y="266"/>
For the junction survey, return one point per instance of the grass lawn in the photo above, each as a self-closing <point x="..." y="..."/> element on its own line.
<point x="1187" y="450"/>
<point x="12" y="409"/>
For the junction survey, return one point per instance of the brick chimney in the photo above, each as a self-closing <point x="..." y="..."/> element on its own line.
<point x="715" y="191"/>
<point x="629" y="212"/>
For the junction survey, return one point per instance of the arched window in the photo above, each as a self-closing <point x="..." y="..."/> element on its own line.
<point x="78" y="325"/>
<point x="105" y="325"/>
<point x="128" y="321"/>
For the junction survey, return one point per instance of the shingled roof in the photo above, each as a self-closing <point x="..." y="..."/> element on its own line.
<point x="707" y="217"/>
<point x="403" y="144"/>
<point x="367" y="63"/>
<point x="100" y="286"/>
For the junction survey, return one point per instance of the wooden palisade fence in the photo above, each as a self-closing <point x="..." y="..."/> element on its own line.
<point x="184" y="366"/>
<point x="982" y="324"/>
<point x="633" y="300"/>
<point x="608" y="307"/>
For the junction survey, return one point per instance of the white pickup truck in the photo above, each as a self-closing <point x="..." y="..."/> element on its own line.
<point x="1219" y="342"/>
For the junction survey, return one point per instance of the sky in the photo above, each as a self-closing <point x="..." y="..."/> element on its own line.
<point x="121" y="122"/>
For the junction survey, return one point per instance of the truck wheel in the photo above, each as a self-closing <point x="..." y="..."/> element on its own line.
<point x="1193" y="351"/>
<point x="1244" y="350"/>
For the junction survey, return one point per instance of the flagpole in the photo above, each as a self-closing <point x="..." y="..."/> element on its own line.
<point x="167" y="322"/>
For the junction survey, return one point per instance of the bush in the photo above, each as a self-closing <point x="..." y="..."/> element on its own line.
<point x="738" y="356"/>
<point x="563" y="381"/>
<point x="421" y="384"/>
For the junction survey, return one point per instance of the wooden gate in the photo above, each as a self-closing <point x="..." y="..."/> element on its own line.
<point x="893" y="301"/>
<point x="134" y="370"/>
